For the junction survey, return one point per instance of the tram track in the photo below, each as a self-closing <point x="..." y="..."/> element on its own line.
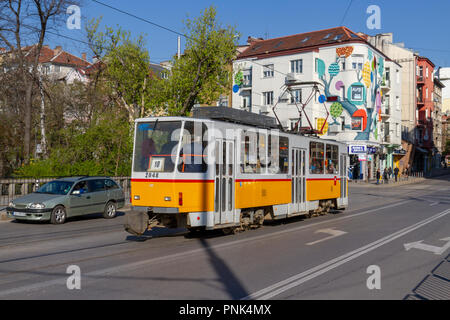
<point x="163" y="244"/>
<point x="160" y="245"/>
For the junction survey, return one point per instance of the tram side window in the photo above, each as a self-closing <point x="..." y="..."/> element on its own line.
<point x="316" y="157"/>
<point x="253" y="152"/>
<point x="284" y="155"/>
<point x="278" y="158"/>
<point x="192" y="146"/>
<point x="332" y="160"/>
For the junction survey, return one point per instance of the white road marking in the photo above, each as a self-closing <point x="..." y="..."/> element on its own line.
<point x="175" y="256"/>
<point x="421" y="246"/>
<point x="334" y="233"/>
<point x="434" y="203"/>
<point x="312" y="273"/>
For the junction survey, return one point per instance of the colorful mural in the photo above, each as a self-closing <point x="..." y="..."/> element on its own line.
<point x="364" y="114"/>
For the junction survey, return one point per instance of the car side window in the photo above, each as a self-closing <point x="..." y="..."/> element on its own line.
<point x="81" y="186"/>
<point x="96" y="185"/>
<point x="110" y="184"/>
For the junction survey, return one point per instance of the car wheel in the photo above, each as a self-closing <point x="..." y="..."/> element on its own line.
<point x="58" y="215"/>
<point x="110" y="210"/>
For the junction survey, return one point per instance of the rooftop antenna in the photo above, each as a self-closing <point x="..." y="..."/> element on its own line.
<point x="179" y="47"/>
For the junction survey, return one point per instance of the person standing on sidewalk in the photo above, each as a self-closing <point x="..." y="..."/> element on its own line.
<point x="378" y="176"/>
<point x="390" y="172"/>
<point x="396" y="170"/>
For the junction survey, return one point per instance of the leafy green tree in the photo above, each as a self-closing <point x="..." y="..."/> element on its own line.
<point x="127" y="71"/>
<point x="204" y="71"/>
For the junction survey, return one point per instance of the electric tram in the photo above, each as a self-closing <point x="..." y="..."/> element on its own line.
<point x="230" y="169"/>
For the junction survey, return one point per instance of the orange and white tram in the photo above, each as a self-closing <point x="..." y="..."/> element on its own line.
<point x="203" y="173"/>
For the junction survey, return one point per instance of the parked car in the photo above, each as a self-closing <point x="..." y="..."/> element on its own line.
<point x="63" y="198"/>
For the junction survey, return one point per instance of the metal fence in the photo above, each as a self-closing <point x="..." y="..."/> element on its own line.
<point x="11" y="189"/>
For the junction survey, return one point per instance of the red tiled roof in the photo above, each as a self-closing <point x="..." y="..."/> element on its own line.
<point x="301" y="42"/>
<point x="48" y="55"/>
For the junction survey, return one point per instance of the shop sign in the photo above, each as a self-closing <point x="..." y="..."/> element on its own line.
<point x="357" y="149"/>
<point x="371" y="150"/>
<point x="362" y="157"/>
<point x="400" y="151"/>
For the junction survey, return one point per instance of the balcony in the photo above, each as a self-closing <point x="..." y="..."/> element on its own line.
<point x="385" y="112"/>
<point x="386" y="85"/>
<point x="293" y="77"/>
<point x="246" y="83"/>
<point x="420" y="80"/>
<point x="420" y="100"/>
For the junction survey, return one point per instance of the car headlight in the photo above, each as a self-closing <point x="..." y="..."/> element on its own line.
<point x="11" y="204"/>
<point x="36" y="206"/>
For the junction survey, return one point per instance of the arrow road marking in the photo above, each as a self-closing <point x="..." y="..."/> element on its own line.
<point x="298" y="279"/>
<point x="421" y="246"/>
<point x="334" y="234"/>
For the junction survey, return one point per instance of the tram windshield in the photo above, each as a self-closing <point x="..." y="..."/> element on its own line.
<point x="156" y="146"/>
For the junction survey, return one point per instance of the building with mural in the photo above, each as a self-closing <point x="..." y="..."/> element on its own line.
<point x="332" y="81"/>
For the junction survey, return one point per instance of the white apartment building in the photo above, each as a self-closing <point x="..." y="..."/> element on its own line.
<point x="444" y="77"/>
<point x="350" y="91"/>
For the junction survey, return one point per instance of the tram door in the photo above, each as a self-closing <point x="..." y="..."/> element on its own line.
<point x="298" y="181"/>
<point x="224" y="182"/>
<point x="343" y="176"/>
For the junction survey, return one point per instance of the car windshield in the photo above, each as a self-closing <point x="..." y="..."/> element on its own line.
<point x="56" y="187"/>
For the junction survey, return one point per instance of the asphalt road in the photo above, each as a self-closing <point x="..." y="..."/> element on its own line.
<point x="373" y="244"/>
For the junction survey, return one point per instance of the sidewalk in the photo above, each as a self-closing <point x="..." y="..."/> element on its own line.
<point x="391" y="183"/>
<point x="402" y="180"/>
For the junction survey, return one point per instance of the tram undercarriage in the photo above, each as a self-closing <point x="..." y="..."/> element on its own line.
<point x="137" y="222"/>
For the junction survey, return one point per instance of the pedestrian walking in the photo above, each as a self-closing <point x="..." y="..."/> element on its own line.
<point x="386" y="176"/>
<point x="390" y="172"/>
<point x="396" y="170"/>
<point x="378" y="176"/>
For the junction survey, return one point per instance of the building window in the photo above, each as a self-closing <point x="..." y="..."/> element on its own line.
<point x="268" y="71"/>
<point x="247" y="100"/>
<point x="56" y="68"/>
<point x="296" y="96"/>
<point x="397" y="103"/>
<point x="342" y="123"/>
<point x="357" y="123"/>
<point x="247" y="77"/>
<point x="297" y="66"/>
<point x="268" y="98"/>
<point x="357" y="63"/>
<point x="343" y="65"/>
<point x="357" y="93"/>
<point x="316" y="64"/>
<point x="397" y="75"/>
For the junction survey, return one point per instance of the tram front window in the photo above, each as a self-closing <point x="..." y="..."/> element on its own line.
<point x="156" y="146"/>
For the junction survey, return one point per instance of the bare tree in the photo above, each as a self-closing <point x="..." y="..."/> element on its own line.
<point x="24" y="25"/>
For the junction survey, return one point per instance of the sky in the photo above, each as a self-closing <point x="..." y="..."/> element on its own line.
<point x="420" y="25"/>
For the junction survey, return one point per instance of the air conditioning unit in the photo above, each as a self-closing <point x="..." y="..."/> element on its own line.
<point x="264" y="110"/>
<point x="293" y="77"/>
